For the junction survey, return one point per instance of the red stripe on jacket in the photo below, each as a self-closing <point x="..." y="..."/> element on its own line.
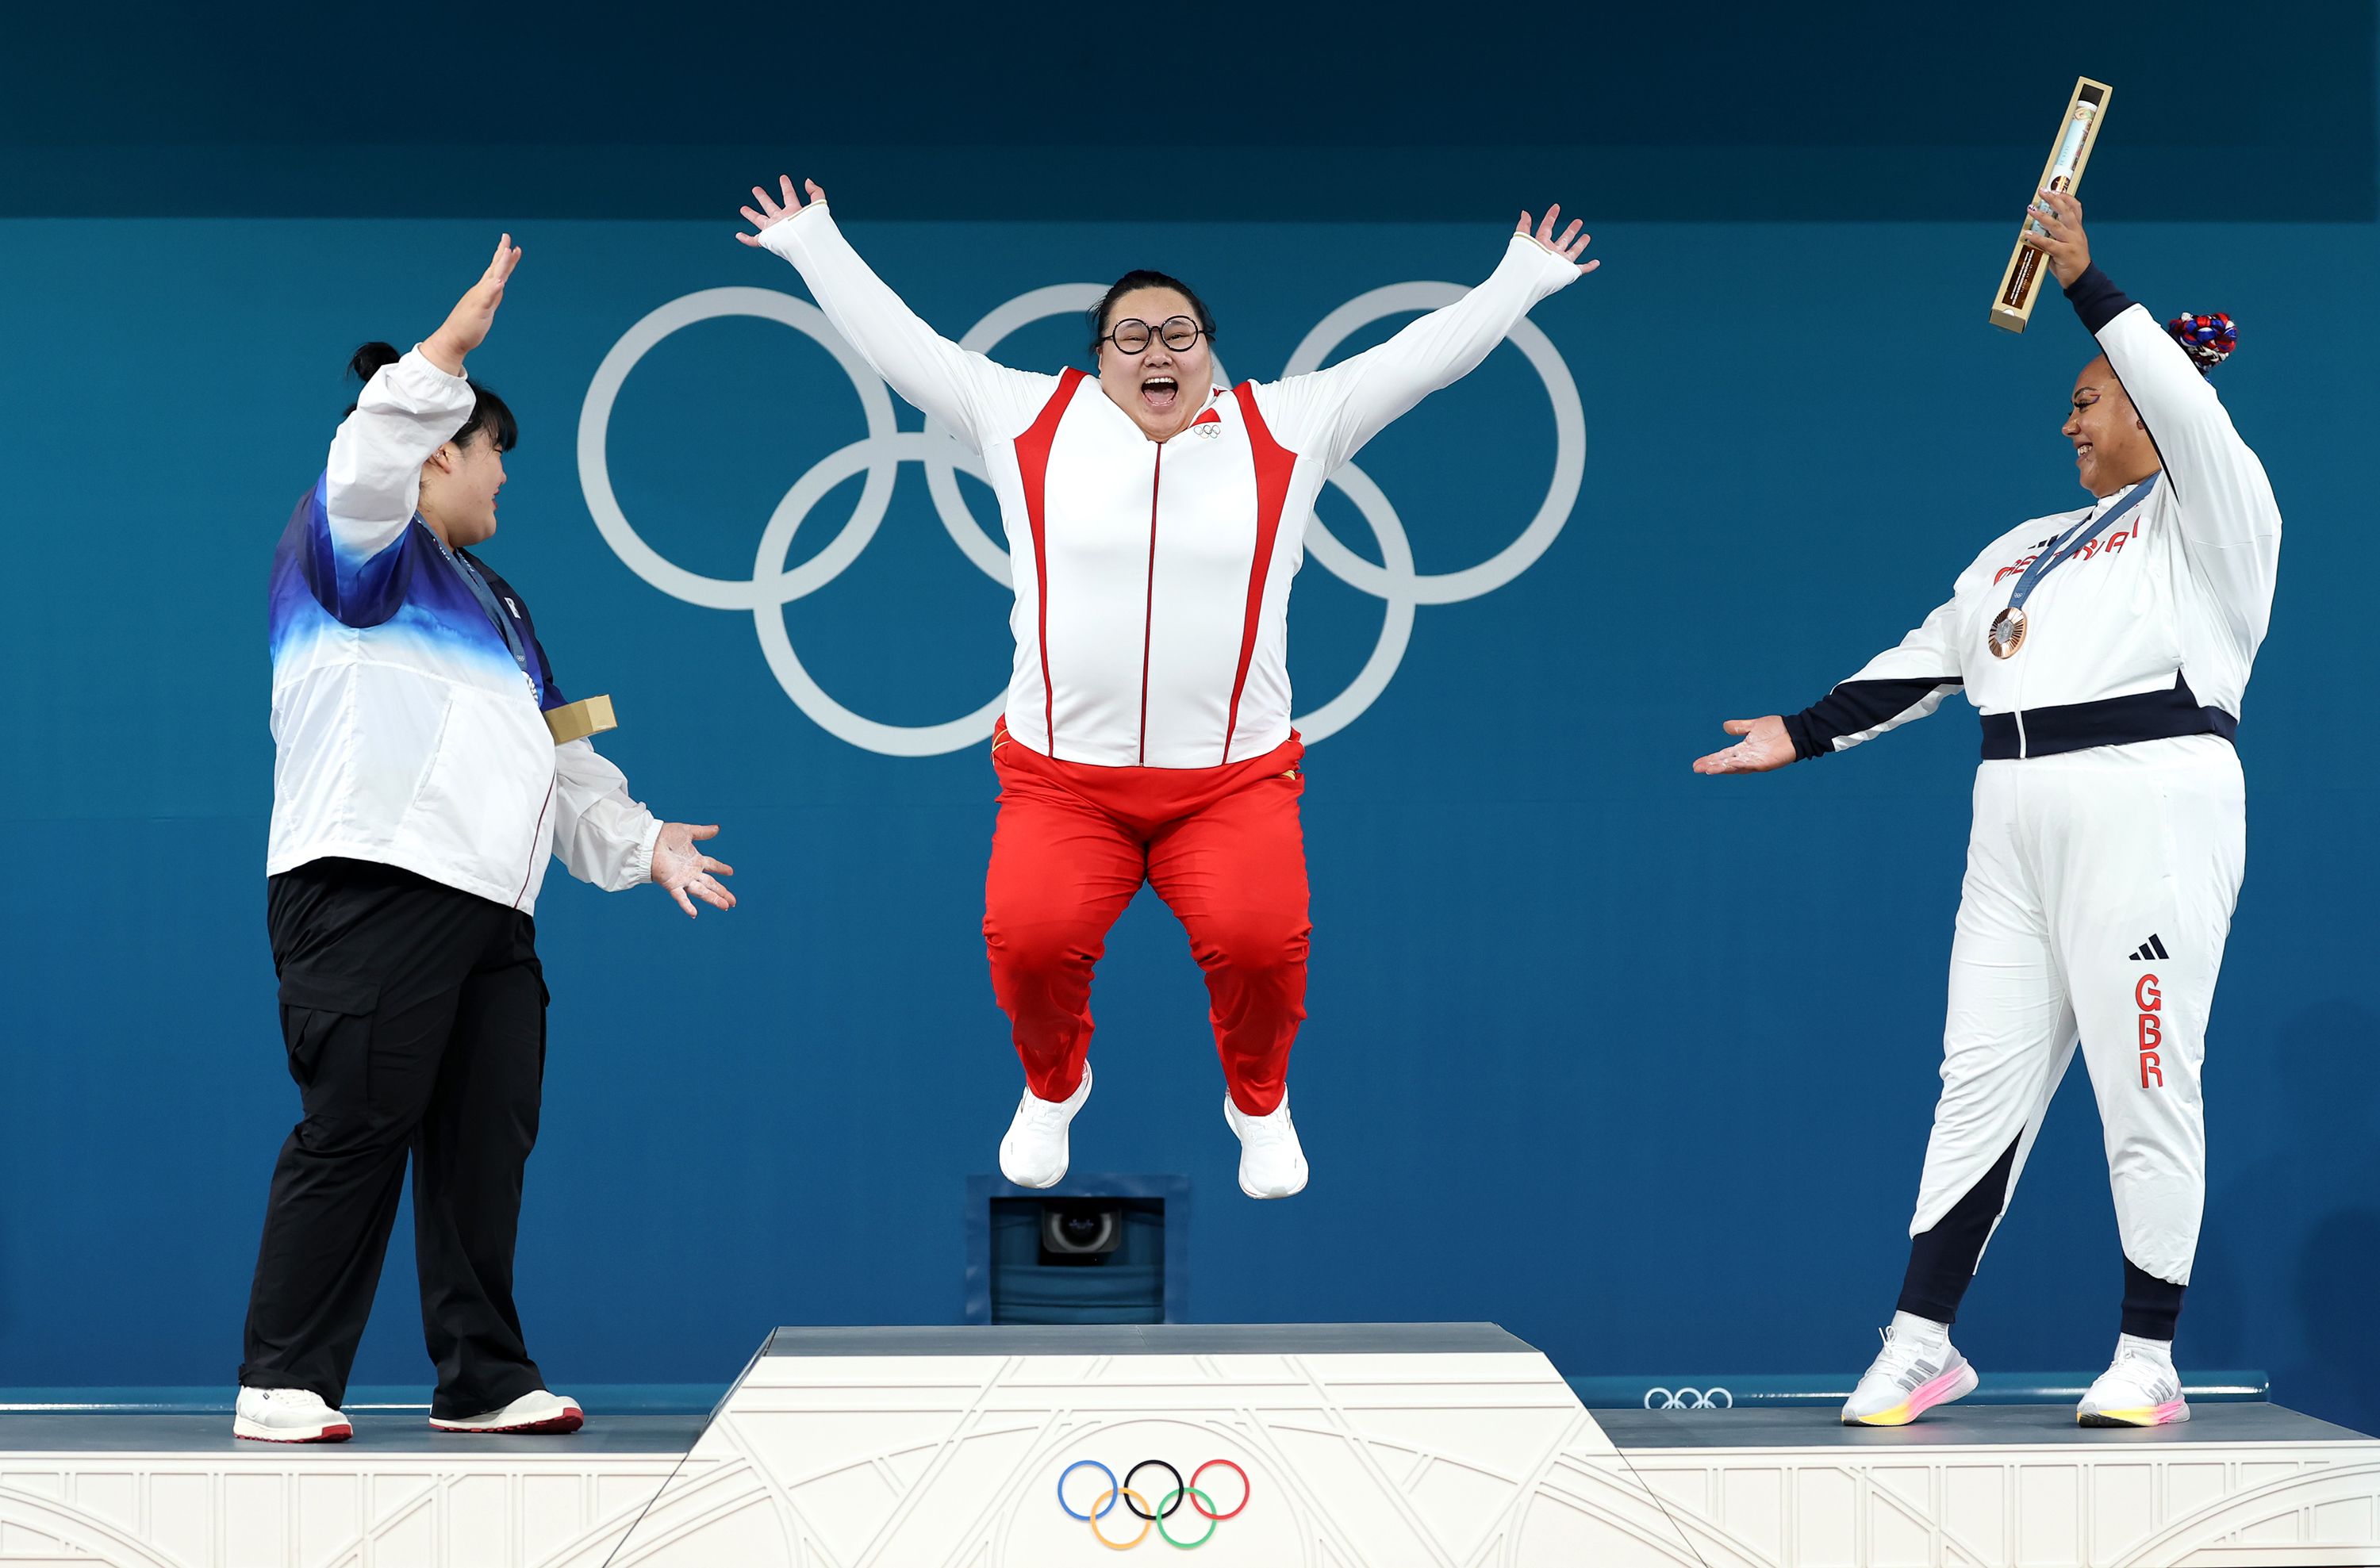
<point x="1033" y="467"/>
<point x="1274" y="463"/>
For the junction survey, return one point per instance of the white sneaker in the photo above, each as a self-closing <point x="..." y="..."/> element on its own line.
<point x="537" y="1412"/>
<point x="1271" y="1163"/>
<point x="287" y="1415"/>
<point x="2139" y="1389"/>
<point x="1034" y="1153"/>
<point x="1912" y="1374"/>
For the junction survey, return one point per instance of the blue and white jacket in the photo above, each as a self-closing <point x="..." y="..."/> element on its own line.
<point x="406" y="733"/>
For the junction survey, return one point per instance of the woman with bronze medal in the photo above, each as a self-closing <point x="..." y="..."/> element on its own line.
<point x="2108" y="650"/>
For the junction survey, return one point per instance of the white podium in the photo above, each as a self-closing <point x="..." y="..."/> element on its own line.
<point x="1361" y="1445"/>
<point x="1449" y="1445"/>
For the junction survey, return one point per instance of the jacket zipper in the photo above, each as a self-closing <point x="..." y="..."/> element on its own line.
<point x="1148" y="610"/>
<point x="536" y="832"/>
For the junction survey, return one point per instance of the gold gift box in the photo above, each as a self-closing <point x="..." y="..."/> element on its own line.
<point x="576" y="721"/>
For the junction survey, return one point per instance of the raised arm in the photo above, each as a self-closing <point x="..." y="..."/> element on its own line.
<point x="1898" y="685"/>
<point x="405" y="412"/>
<point x="963" y="391"/>
<point x="1331" y="414"/>
<point x="2230" y="525"/>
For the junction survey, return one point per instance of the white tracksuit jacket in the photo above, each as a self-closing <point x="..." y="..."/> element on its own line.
<point x="2108" y="842"/>
<point x="2150" y="633"/>
<point x="1152" y="580"/>
<point x="406" y="733"/>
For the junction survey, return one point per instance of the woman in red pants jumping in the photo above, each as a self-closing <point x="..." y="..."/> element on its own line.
<point x="1155" y="521"/>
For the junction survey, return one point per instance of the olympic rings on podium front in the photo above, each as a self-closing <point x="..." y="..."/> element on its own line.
<point x="1138" y="1506"/>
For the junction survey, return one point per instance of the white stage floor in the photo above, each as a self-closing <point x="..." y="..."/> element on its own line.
<point x="2251" y="1485"/>
<point x="1362" y="1446"/>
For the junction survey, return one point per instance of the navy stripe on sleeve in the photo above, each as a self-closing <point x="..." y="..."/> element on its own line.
<point x="1856" y="706"/>
<point x="2096" y="298"/>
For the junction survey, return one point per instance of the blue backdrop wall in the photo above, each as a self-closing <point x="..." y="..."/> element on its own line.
<point x="1637" y="1063"/>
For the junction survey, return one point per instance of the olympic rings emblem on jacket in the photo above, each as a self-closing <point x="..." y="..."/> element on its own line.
<point x="1713" y="1398"/>
<point x="1137" y="1505"/>
<point x="880" y="453"/>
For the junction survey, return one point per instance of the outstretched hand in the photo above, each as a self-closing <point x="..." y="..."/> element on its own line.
<point x="1766" y="745"/>
<point x="679" y="868"/>
<point x="1570" y="246"/>
<point x="2057" y="232"/>
<point x="466" y="325"/>
<point x="771" y="211"/>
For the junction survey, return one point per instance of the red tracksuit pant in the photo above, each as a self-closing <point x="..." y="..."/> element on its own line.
<point x="1223" y="846"/>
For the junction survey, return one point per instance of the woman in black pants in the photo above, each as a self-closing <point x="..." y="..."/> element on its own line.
<point x="418" y="790"/>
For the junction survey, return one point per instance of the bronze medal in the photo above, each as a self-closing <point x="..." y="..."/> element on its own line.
<point x="2006" y="634"/>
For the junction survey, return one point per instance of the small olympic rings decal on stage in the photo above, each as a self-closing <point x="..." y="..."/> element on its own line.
<point x="1713" y="1398"/>
<point x="1137" y="1503"/>
<point x="880" y="453"/>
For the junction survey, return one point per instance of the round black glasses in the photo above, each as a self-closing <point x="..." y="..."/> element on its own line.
<point x="1130" y="335"/>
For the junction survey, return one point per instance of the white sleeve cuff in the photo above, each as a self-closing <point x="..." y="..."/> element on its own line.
<point x="1549" y="271"/>
<point x="783" y="238"/>
<point x="415" y="366"/>
<point x="640" y="869"/>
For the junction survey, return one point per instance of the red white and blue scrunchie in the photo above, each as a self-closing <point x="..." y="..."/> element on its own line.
<point x="2208" y="340"/>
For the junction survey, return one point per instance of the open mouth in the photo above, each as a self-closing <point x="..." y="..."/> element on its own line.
<point x="1161" y="392"/>
<point x="2083" y="451"/>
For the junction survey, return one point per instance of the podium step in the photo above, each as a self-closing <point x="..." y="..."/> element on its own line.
<point x="1313" y="1445"/>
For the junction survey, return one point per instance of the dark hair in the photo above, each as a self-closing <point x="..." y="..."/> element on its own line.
<point x="1141" y="277"/>
<point x="489" y="414"/>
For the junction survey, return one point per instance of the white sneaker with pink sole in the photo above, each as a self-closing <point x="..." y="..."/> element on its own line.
<point x="2140" y="1388"/>
<point x="1917" y="1368"/>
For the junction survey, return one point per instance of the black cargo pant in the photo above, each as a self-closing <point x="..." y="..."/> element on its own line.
<point x="415" y="1019"/>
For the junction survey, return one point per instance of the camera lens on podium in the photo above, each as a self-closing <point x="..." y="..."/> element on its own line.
<point x="1082" y="1229"/>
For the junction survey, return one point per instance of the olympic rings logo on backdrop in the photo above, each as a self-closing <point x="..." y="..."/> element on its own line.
<point x="880" y="453"/>
<point x="1137" y="1505"/>
<point x="1713" y="1398"/>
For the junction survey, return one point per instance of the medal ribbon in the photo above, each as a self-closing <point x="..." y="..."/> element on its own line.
<point x="2059" y="550"/>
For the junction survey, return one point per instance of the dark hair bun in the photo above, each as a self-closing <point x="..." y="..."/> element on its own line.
<point x="368" y="360"/>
